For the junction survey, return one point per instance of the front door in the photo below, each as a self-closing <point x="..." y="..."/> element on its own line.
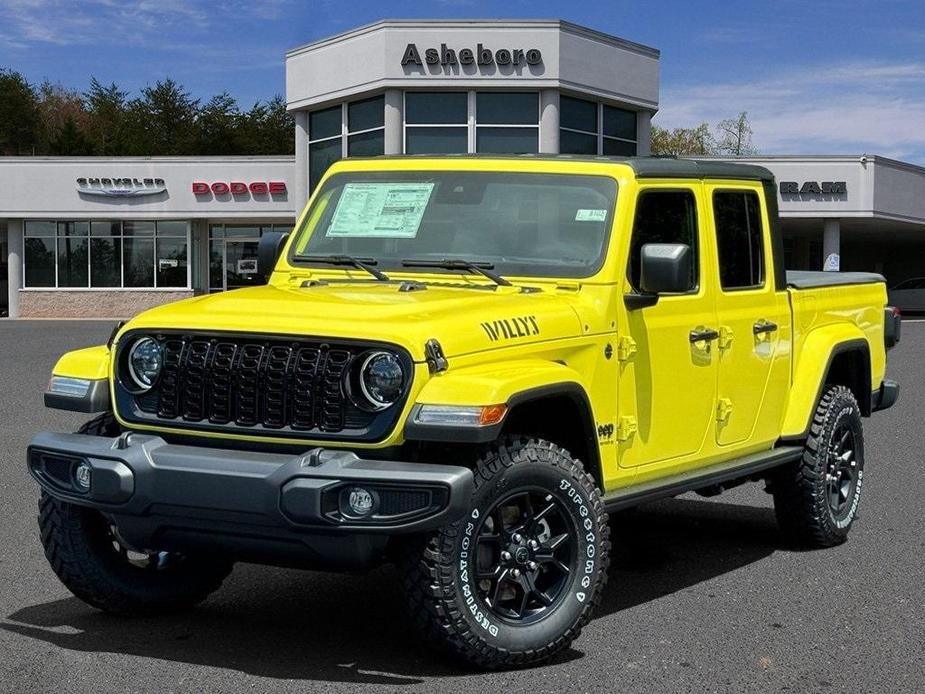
<point x="241" y="263"/>
<point x="667" y="385"/>
<point x="753" y="320"/>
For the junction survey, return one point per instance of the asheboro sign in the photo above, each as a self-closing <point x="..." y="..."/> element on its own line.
<point x="480" y="55"/>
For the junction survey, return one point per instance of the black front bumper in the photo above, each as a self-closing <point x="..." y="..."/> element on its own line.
<point x="265" y="507"/>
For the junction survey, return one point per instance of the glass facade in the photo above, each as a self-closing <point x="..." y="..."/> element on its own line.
<point x="588" y="127"/>
<point x="354" y="129"/>
<point x="233" y="253"/>
<point x="106" y="254"/>
<point x="466" y="122"/>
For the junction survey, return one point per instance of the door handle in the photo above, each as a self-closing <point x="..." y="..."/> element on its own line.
<point x="705" y="335"/>
<point x="764" y="326"/>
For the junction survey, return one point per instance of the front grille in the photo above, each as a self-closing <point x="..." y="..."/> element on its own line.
<point x="294" y="387"/>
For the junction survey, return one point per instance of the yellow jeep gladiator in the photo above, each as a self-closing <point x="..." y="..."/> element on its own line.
<point x="461" y="365"/>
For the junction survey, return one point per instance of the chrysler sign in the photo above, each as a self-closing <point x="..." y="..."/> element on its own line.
<point x="118" y="187"/>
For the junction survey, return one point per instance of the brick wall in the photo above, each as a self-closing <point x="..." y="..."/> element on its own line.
<point x="61" y="303"/>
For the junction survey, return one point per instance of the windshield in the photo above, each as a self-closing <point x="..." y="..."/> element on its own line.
<point x="519" y="224"/>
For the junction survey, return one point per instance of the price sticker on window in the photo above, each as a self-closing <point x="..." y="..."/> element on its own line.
<point x="585" y="215"/>
<point x="380" y="210"/>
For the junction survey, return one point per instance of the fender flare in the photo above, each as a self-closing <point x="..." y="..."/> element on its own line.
<point x="513" y="384"/>
<point x="799" y="412"/>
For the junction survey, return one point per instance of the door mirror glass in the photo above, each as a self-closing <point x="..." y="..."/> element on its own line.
<point x="268" y="252"/>
<point x="665" y="268"/>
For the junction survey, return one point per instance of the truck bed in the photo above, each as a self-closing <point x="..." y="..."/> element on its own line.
<point x="807" y="279"/>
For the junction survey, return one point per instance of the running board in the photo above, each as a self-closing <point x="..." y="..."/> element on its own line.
<point x="705" y="477"/>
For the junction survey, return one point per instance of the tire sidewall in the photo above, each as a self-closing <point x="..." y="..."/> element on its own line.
<point x="568" y="484"/>
<point x="843" y="407"/>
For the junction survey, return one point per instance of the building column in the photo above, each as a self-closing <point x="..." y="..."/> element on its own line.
<point x="14" y="264"/>
<point x="831" y="245"/>
<point x="394" y="120"/>
<point x="643" y="133"/>
<point x="301" y="161"/>
<point x="549" y="121"/>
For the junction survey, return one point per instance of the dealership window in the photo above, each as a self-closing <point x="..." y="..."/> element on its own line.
<point x="233" y="253"/>
<point x="587" y="127"/>
<point x="106" y="254"/>
<point x="466" y="122"/>
<point x="354" y="129"/>
<point x="436" y="122"/>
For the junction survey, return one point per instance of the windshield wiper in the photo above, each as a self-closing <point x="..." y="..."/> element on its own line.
<point x="361" y="263"/>
<point x="479" y="268"/>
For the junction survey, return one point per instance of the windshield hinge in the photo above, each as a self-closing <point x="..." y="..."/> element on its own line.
<point x="626" y="427"/>
<point x="626" y="348"/>
<point x="568" y="286"/>
<point x="436" y="360"/>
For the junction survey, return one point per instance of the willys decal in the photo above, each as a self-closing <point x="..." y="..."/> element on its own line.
<point x="509" y="328"/>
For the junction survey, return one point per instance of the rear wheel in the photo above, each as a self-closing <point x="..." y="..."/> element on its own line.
<point x="816" y="498"/>
<point x="515" y="581"/>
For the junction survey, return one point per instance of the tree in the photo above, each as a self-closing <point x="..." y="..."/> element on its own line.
<point x="60" y="108"/>
<point x="18" y="114"/>
<point x="70" y="141"/>
<point x="735" y="136"/>
<point x="682" y="141"/>
<point x="269" y="128"/>
<point x="106" y="118"/>
<point x="163" y="120"/>
<point x="218" y="124"/>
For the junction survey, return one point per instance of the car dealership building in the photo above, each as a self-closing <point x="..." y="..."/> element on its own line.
<point x="108" y="237"/>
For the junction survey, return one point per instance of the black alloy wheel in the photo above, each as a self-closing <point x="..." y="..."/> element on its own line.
<point x="841" y="477"/>
<point x="526" y="553"/>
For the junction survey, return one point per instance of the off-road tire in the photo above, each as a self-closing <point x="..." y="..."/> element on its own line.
<point x="444" y="600"/>
<point x="801" y="498"/>
<point x="79" y="546"/>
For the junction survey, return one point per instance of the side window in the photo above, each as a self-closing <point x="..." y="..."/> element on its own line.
<point x="739" y="239"/>
<point x="664" y="217"/>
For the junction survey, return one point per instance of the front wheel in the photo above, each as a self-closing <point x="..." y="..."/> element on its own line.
<point x="518" y="577"/>
<point x="89" y="557"/>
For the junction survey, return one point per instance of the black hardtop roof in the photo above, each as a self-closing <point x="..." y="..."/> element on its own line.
<point x="644" y="167"/>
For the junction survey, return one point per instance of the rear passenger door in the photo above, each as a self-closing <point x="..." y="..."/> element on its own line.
<point x="753" y="319"/>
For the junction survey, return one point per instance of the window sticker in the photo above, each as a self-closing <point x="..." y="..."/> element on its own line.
<point x="584" y="215"/>
<point x="383" y="210"/>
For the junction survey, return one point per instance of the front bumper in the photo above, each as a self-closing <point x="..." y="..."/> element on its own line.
<point x="267" y="507"/>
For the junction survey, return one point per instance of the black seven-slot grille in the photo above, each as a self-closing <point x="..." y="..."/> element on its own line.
<point x="281" y="385"/>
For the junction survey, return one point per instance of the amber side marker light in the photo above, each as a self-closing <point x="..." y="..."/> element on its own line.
<point x="460" y="415"/>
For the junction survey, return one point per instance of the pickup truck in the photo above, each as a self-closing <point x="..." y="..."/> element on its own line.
<point x="461" y="365"/>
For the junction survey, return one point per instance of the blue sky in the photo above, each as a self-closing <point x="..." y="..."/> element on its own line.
<point x="816" y="76"/>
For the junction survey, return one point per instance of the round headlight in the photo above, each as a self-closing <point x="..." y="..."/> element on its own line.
<point x="381" y="379"/>
<point x="144" y="362"/>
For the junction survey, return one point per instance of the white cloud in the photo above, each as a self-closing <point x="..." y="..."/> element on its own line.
<point x="872" y="107"/>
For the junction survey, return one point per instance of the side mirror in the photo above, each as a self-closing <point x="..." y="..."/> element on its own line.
<point x="665" y="268"/>
<point x="268" y="252"/>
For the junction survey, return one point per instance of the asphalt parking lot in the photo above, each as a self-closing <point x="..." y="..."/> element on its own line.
<point x="703" y="597"/>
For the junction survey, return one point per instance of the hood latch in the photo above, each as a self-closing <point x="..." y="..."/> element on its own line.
<point x="436" y="360"/>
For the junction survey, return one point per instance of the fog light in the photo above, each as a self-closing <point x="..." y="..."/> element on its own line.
<point x="82" y="476"/>
<point x="361" y="502"/>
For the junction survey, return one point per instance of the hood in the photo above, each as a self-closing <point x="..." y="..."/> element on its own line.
<point x="463" y="318"/>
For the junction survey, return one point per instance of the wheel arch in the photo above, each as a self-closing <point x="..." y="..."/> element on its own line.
<point x="847" y="363"/>
<point x="561" y="414"/>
